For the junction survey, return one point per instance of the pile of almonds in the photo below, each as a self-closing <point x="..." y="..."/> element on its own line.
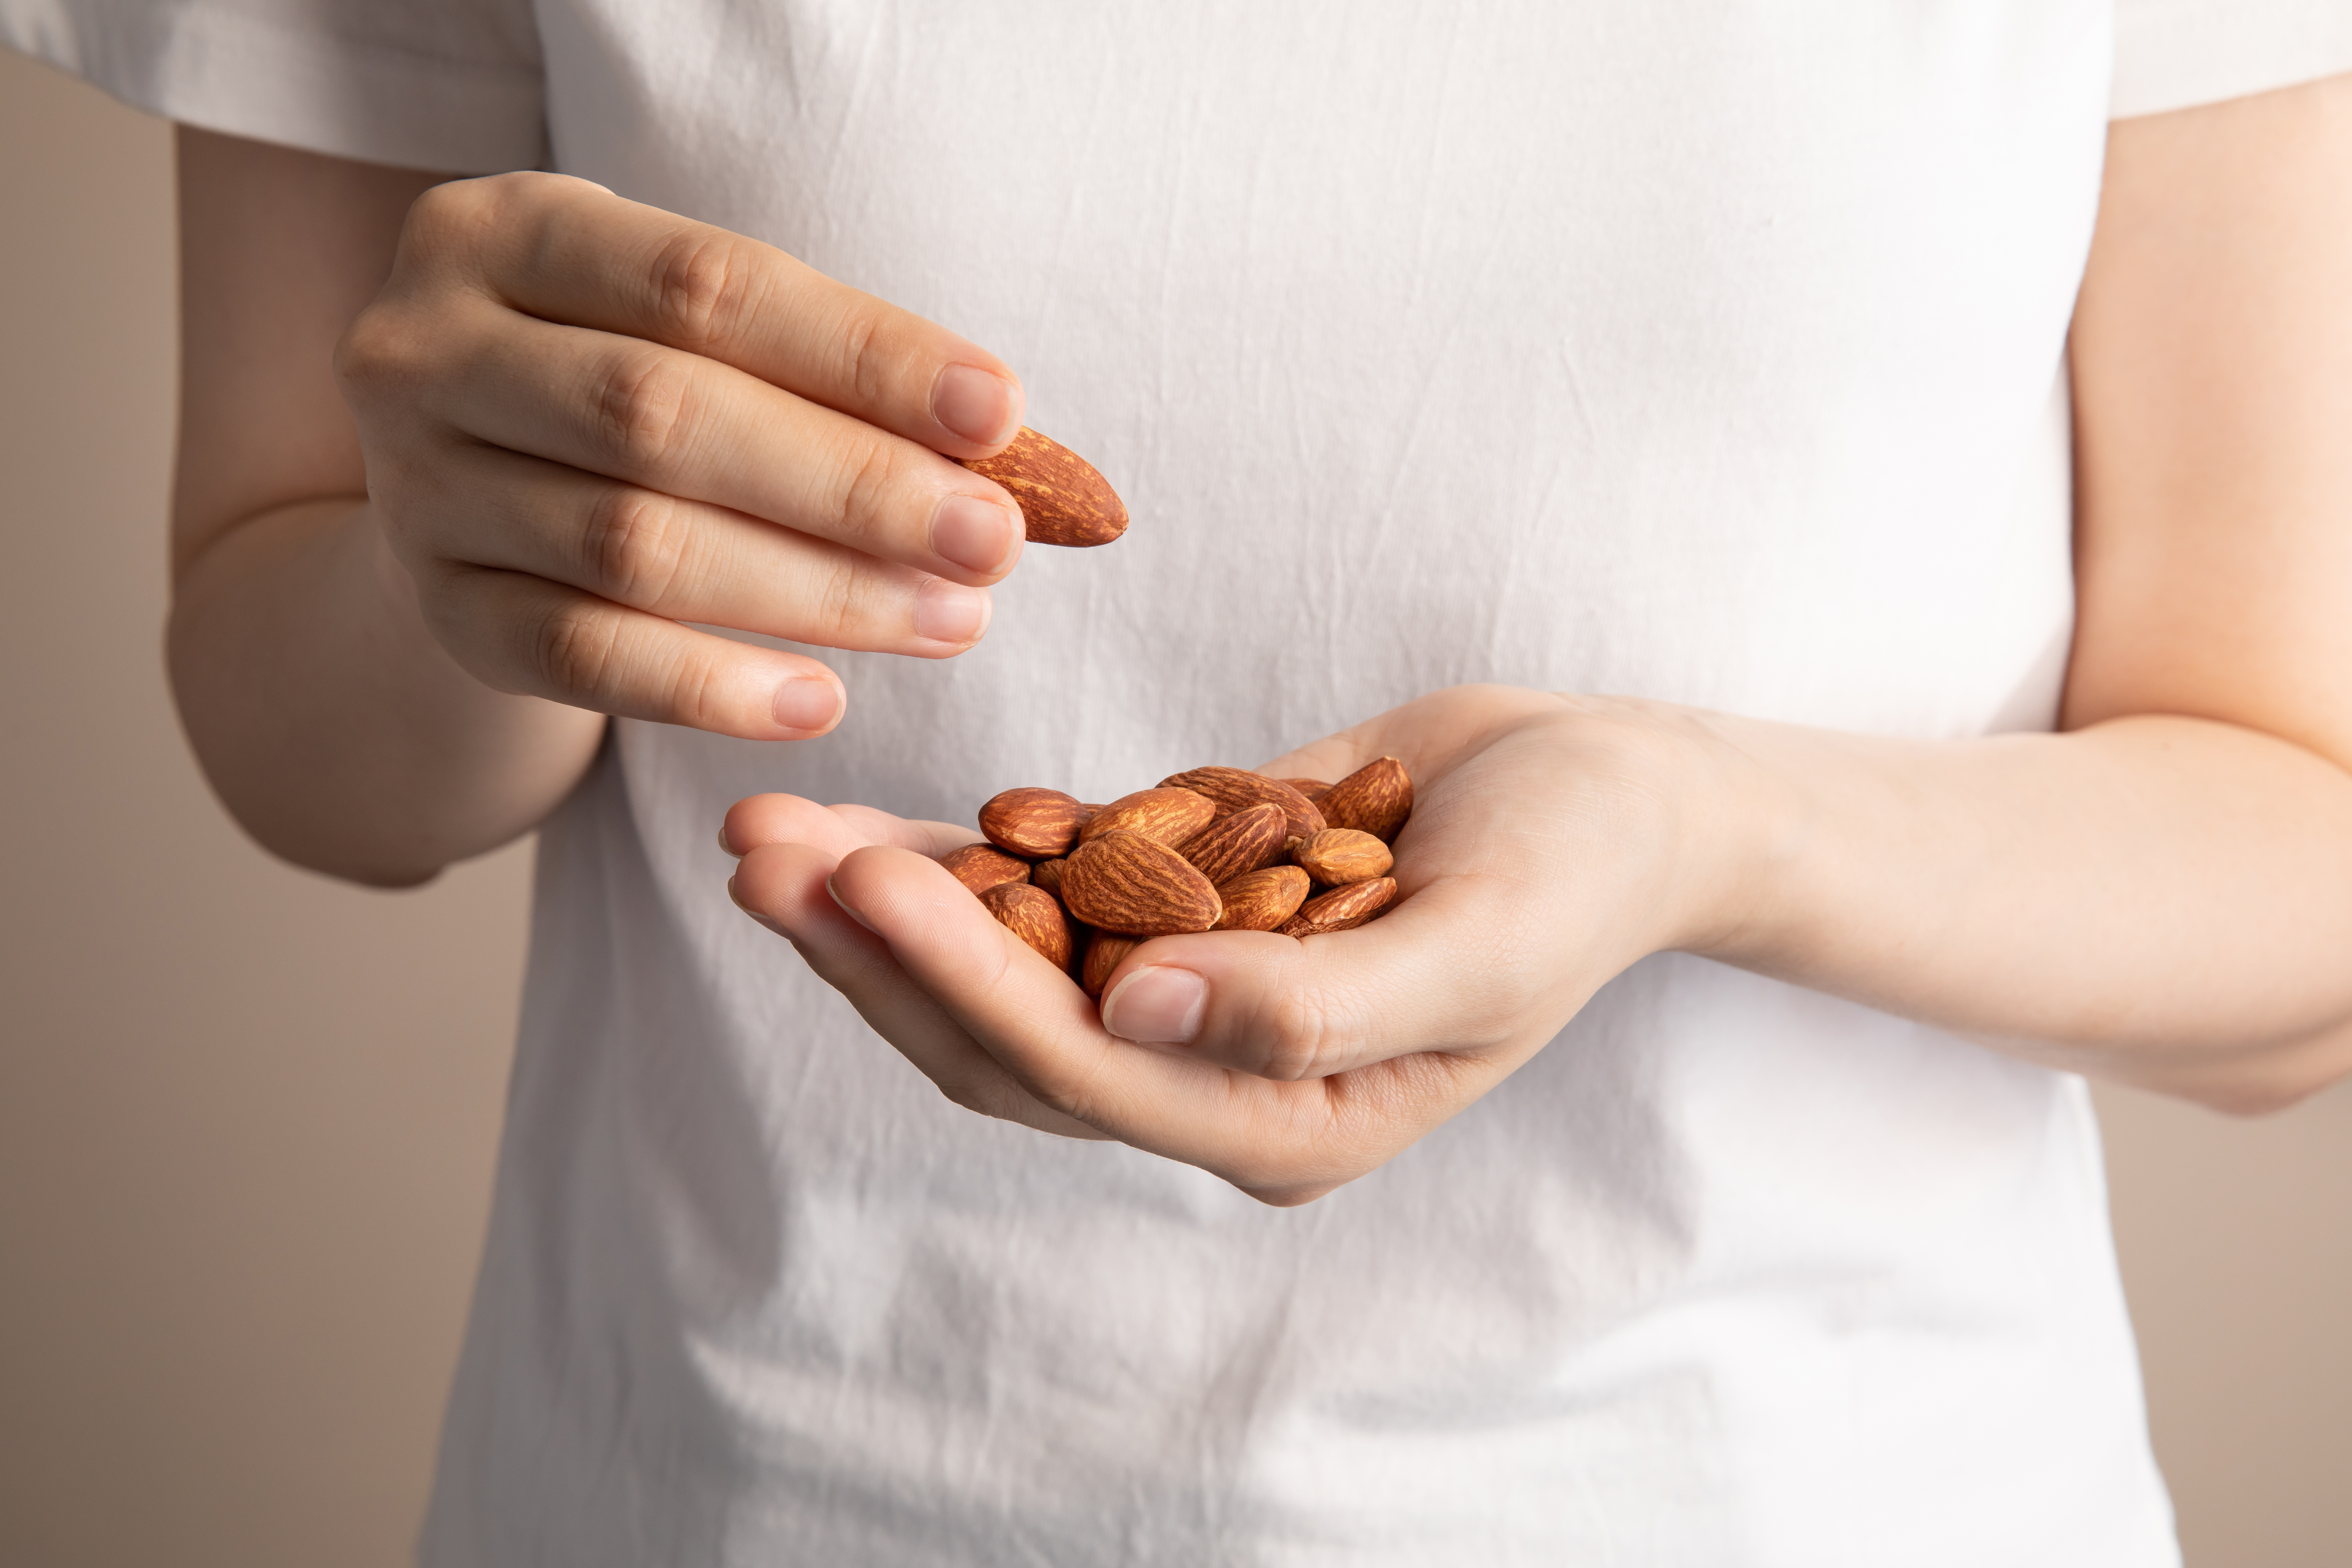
<point x="1209" y="849"/>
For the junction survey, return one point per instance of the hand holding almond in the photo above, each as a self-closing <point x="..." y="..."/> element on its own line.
<point x="1529" y="872"/>
<point x="587" y="422"/>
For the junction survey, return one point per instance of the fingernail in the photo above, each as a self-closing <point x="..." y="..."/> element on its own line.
<point x="839" y="902"/>
<point x="950" y="612"/>
<point x="1157" y="1004"/>
<point x="977" y="405"/>
<point x="737" y="898"/>
<point x="806" y="704"/>
<point x="729" y="848"/>
<point x="976" y="534"/>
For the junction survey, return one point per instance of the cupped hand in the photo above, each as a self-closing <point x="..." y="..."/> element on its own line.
<point x="587" y="421"/>
<point x="1553" y="842"/>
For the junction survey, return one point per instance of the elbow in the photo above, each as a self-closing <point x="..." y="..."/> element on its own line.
<point x="2266" y="1082"/>
<point x="361" y="864"/>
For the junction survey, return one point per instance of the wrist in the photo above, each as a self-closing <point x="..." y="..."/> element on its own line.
<point x="1726" y="828"/>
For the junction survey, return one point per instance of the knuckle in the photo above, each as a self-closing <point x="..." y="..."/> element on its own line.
<point x="864" y="369"/>
<point x="868" y="477"/>
<point x="704" y="282"/>
<point x="451" y="222"/>
<point x="573" y="649"/>
<point x="446" y="211"/>
<point x="634" y="546"/>
<point x="379" y="353"/>
<point x="697" y="695"/>
<point x="837" y="605"/>
<point x="1301" y="1039"/>
<point x="639" y="409"/>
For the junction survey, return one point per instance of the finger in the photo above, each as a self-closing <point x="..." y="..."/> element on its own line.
<point x="931" y="838"/>
<point x="665" y="420"/>
<point x="783" y="887"/>
<point x="1439" y="975"/>
<point x="684" y="559"/>
<point x="835" y="831"/>
<point x="1283" y="1141"/>
<point x="569" y="251"/>
<point x="523" y="634"/>
<point x="1428" y="735"/>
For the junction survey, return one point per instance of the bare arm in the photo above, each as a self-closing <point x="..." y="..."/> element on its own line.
<point x="327" y="717"/>
<point x="2160" y="894"/>
<point x="463" y="465"/>
<point x="2164" y="894"/>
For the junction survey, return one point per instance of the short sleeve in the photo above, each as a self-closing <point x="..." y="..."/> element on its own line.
<point x="2177" y="54"/>
<point x="427" y="84"/>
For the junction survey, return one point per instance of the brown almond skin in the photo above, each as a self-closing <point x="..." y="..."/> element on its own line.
<point x="1232" y="845"/>
<point x="1262" y="899"/>
<point x="1339" y="856"/>
<point x="1047" y="874"/>
<point x="1167" y="816"/>
<point x="1103" y="953"/>
<point x="1034" y="824"/>
<point x="1134" y="886"/>
<point x="981" y="867"/>
<point x="1034" y="916"/>
<point x="1313" y="789"/>
<point x="1342" y="908"/>
<point x="1375" y="799"/>
<point x="1062" y="499"/>
<point x="1237" y="789"/>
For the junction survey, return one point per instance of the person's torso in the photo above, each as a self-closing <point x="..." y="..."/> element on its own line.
<point x="1705" y="352"/>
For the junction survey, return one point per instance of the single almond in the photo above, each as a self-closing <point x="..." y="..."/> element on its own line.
<point x="1034" y="916"/>
<point x="1165" y="816"/>
<point x="981" y="867"/>
<point x="1062" y="499"/>
<point x="1232" y="845"/>
<point x="1238" y="789"/>
<point x="1036" y="824"/>
<point x="1375" y="799"/>
<point x="1342" y="908"/>
<point x="1104" y="952"/>
<point x="1135" y="886"/>
<point x="1047" y="874"/>
<point x="1339" y="856"/>
<point x="1262" y="899"/>
<point x="1313" y="789"/>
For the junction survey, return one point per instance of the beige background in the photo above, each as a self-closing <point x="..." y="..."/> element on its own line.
<point x="247" y="1116"/>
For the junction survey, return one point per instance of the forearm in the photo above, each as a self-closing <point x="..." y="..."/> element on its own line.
<point x="2158" y="899"/>
<point x="332" y="725"/>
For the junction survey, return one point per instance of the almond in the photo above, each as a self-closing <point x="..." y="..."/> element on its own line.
<point x="1338" y="856"/>
<point x="1342" y="908"/>
<point x="1375" y="799"/>
<point x="1313" y="789"/>
<point x="1062" y="499"/>
<point x="1165" y="816"/>
<point x="981" y="867"/>
<point x="1036" y="824"/>
<point x="1135" y="886"/>
<point x="1034" y="917"/>
<point x="1104" y="953"/>
<point x="1047" y="874"/>
<point x="1232" y="845"/>
<point x="1237" y="789"/>
<point x="1262" y="901"/>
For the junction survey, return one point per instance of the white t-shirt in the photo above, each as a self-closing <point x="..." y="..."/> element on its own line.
<point x="1711" y="353"/>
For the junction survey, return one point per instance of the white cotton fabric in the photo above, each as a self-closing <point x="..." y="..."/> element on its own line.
<point x="2178" y="54"/>
<point x="1709" y="353"/>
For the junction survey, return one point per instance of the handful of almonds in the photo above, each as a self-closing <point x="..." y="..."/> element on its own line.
<point x="1207" y="849"/>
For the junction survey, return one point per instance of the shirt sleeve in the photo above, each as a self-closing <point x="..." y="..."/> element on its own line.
<point x="453" y="85"/>
<point x="2177" y="54"/>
